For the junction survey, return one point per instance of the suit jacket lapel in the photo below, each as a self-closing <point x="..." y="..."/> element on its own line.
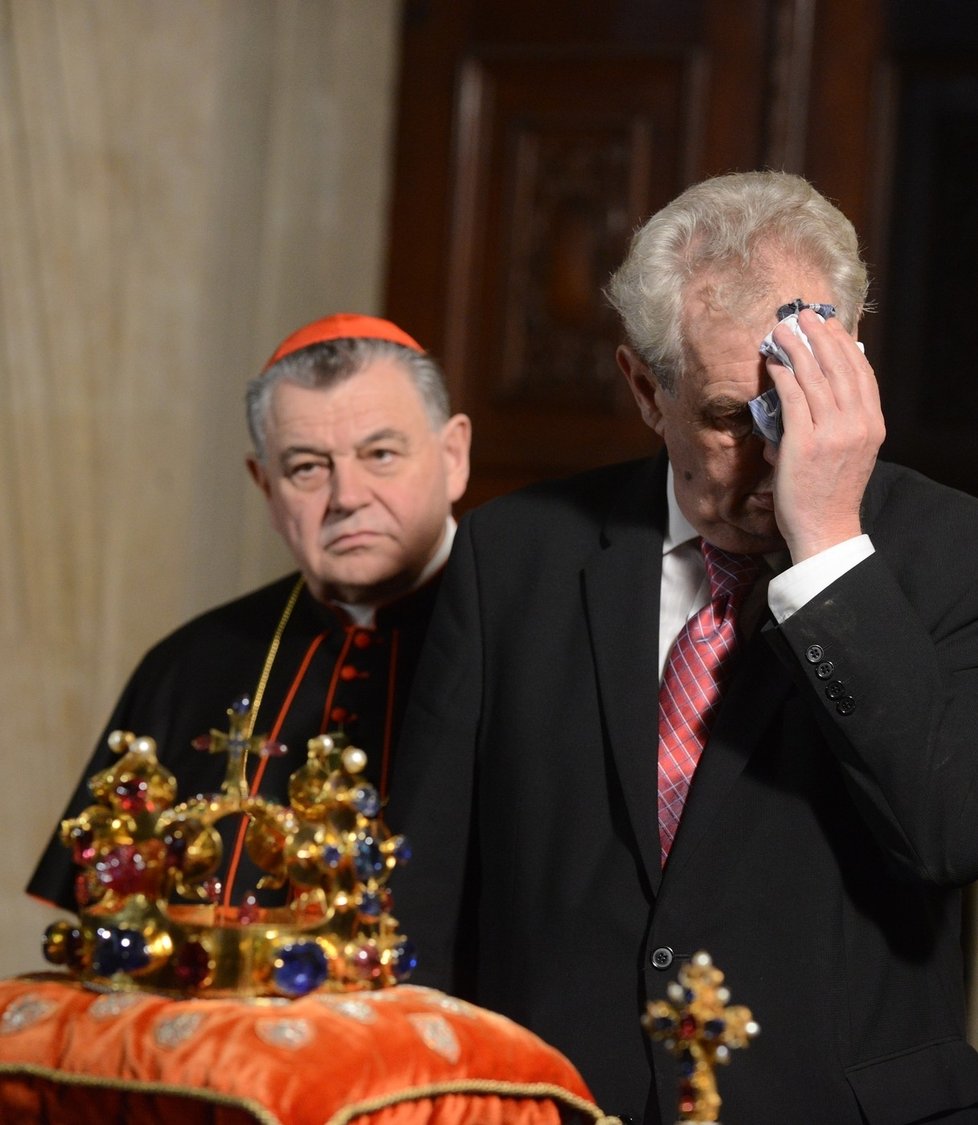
<point x="621" y="590"/>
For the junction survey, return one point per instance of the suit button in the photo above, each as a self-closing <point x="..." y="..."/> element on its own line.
<point x="814" y="653"/>
<point x="662" y="957"/>
<point x="846" y="705"/>
<point x="825" y="669"/>
<point x="835" y="690"/>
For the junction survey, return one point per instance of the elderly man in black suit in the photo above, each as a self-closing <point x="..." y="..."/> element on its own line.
<point x="725" y="699"/>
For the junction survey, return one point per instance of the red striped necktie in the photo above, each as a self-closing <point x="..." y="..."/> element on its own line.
<point x="696" y="674"/>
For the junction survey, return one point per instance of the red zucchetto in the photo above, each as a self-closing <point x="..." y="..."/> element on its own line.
<point x="342" y="326"/>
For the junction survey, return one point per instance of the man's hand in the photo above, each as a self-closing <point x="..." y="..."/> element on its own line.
<point x="833" y="429"/>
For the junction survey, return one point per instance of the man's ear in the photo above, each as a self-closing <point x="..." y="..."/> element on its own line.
<point x="257" y="472"/>
<point x="456" y="440"/>
<point x="644" y="386"/>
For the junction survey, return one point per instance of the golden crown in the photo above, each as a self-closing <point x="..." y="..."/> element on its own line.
<point x="135" y="849"/>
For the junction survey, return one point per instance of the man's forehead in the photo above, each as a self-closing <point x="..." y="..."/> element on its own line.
<point x="715" y="334"/>
<point x="382" y="383"/>
<point x="772" y="278"/>
<point x="722" y="316"/>
<point x="371" y="401"/>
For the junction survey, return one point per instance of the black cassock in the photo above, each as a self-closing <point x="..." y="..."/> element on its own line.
<point x="328" y="674"/>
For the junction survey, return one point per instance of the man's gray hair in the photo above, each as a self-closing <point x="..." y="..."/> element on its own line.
<point x="330" y="363"/>
<point x="730" y="228"/>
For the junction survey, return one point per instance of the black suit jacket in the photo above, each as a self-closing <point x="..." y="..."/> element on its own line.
<point x="826" y="832"/>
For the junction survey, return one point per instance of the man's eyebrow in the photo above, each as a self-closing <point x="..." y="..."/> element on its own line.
<point x="302" y="450"/>
<point x="724" y="404"/>
<point x="388" y="433"/>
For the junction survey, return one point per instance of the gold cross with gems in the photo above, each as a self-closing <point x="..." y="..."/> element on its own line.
<point x="238" y="742"/>
<point x="700" y="1030"/>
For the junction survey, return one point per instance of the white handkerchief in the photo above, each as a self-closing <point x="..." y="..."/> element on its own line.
<point x="766" y="408"/>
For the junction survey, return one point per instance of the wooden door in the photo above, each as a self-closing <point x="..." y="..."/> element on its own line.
<point x="533" y="137"/>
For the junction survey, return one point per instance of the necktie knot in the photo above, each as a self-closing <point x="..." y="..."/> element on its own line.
<point x="730" y="575"/>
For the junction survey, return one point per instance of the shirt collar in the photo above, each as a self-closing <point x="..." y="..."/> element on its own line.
<point x="679" y="530"/>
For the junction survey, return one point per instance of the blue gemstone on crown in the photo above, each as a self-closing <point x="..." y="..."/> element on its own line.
<point x="405" y="959"/>
<point x="370" y="906"/>
<point x="366" y="800"/>
<point x="368" y="860"/>
<point x="119" y="951"/>
<point x="299" y="968"/>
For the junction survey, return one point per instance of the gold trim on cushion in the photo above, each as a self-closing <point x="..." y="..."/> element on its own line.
<point x="371" y="1053"/>
<point x="480" y="1087"/>
<point x="135" y="1086"/>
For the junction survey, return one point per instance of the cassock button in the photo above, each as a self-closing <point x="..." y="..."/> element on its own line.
<point x="814" y="653"/>
<point x="825" y="669"/>
<point x="361" y="639"/>
<point x="835" y="690"/>
<point x="846" y="705"/>
<point x="662" y="957"/>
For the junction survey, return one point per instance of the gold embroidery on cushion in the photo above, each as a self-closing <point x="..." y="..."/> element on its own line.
<point x="292" y="1034"/>
<point x="24" y="1012"/>
<point x="455" y="1006"/>
<point x="356" y="1009"/>
<point x="437" y="1035"/>
<point x="477" y="1087"/>
<point x="112" y="1004"/>
<point x="175" y="1030"/>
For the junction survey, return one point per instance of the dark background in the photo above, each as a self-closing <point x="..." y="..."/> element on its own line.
<point x="533" y="137"/>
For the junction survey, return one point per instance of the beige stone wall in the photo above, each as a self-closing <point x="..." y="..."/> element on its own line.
<point x="182" y="182"/>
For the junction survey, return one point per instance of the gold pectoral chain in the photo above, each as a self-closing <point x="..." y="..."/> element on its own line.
<point x="270" y="658"/>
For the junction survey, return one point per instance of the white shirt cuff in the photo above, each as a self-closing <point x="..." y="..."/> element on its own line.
<point x="790" y="590"/>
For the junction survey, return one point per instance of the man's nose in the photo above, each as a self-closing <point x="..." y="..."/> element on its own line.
<point x="770" y="452"/>
<point x="349" y="489"/>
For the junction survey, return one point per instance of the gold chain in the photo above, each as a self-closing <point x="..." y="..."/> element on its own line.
<point x="272" y="653"/>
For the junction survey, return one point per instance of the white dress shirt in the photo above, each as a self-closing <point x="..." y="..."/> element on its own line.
<point x="685" y="587"/>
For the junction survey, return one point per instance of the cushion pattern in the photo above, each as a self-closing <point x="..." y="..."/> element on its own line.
<point x="402" y="1056"/>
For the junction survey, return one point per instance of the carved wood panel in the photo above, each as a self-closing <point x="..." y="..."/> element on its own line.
<point x="543" y="135"/>
<point x="556" y="165"/>
<point x="534" y="137"/>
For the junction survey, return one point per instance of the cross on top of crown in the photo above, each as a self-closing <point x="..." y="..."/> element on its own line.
<point x="700" y="1030"/>
<point x="238" y="742"/>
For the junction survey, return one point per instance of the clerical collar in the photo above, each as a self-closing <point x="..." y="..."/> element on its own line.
<point x="364" y="615"/>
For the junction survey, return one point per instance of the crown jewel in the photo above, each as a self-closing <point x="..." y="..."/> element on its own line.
<point x="135" y="848"/>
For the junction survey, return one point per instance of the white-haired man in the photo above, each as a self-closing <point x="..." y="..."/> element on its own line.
<point x="724" y="699"/>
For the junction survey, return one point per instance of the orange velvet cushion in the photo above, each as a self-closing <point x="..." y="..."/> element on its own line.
<point x="402" y="1056"/>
